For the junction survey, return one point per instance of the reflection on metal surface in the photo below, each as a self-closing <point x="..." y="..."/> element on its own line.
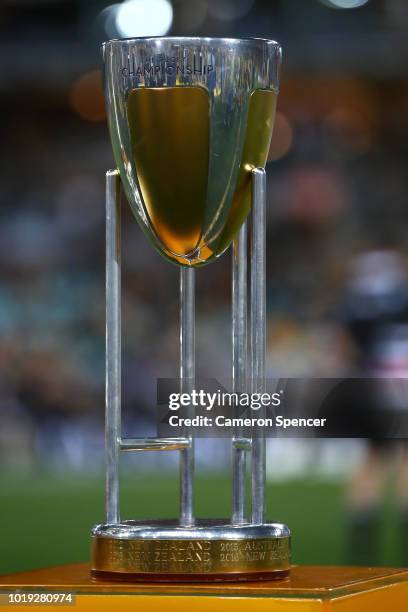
<point x="190" y="118"/>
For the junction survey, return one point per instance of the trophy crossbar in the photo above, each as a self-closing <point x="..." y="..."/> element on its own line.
<point x="154" y="444"/>
<point x="171" y="444"/>
<point x="256" y="367"/>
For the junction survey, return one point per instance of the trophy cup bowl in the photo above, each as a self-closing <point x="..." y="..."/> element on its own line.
<point x="191" y="121"/>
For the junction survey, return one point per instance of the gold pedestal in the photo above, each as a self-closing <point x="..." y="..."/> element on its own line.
<point x="308" y="589"/>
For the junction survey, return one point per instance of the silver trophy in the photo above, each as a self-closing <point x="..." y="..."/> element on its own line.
<point x="190" y="121"/>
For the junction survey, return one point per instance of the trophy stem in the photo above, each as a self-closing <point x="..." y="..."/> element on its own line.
<point x="187" y="375"/>
<point x="113" y="345"/>
<point x="258" y="335"/>
<point x="239" y="365"/>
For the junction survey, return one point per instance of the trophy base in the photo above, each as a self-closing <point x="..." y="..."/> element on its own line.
<point x="211" y="550"/>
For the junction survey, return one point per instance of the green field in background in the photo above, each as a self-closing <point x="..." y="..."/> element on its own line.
<point x="46" y="520"/>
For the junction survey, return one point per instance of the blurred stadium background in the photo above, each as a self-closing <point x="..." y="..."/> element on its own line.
<point x="337" y="269"/>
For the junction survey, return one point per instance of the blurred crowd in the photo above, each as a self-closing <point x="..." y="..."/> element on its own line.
<point x="337" y="241"/>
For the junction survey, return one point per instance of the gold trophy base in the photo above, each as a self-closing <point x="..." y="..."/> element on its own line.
<point x="209" y="551"/>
